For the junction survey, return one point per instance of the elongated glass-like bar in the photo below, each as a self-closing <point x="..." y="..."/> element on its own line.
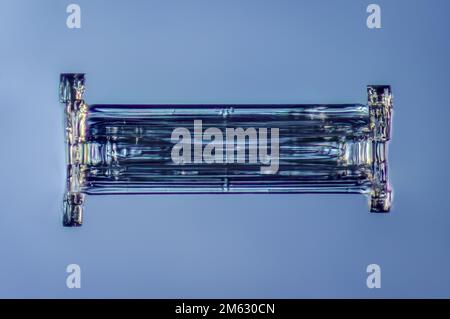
<point x="295" y="148"/>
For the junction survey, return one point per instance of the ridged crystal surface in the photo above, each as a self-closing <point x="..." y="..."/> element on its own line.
<point x="322" y="148"/>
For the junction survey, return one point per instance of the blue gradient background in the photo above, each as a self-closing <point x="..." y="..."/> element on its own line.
<point x="278" y="246"/>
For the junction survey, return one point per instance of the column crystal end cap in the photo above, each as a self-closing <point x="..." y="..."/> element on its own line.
<point x="71" y="86"/>
<point x="73" y="210"/>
